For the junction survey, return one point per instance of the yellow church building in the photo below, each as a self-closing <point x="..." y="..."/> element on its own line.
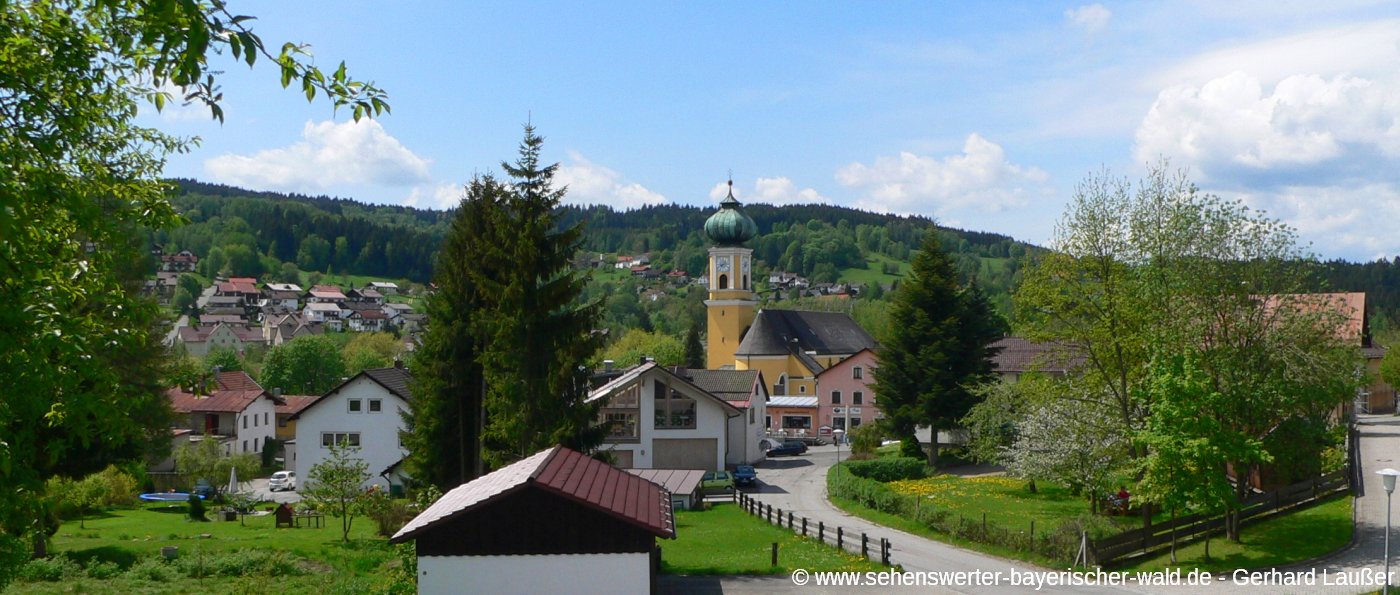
<point x="789" y="347"/>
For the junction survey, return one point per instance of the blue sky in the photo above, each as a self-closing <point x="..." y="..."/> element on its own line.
<point x="984" y="115"/>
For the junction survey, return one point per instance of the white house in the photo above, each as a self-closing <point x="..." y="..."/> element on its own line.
<point x="236" y="411"/>
<point x="660" y="420"/>
<point x="385" y="287"/>
<point x="364" y="412"/>
<point x="324" y="312"/>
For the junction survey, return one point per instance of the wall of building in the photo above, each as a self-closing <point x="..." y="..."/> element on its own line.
<point x="710" y="422"/>
<point x="379" y="432"/>
<point x="841" y="377"/>
<point x="254" y="426"/>
<point x="577" y="573"/>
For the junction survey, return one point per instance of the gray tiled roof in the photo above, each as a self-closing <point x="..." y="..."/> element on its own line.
<point x="780" y="332"/>
<point x="1021" y="355"/>
<point x="730" y="385"/>
<point x="394" y="379"/>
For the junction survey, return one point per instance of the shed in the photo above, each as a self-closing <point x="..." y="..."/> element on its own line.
<point x="683" y="484"/>
<point x="556" y="522"/>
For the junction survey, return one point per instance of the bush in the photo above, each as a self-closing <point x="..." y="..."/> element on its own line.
<point x="154" y="569"/>
<point x="52" y="569"/>
<point x="197" y="508"/>
<point x="266" y="563"/>
<point x="910" y="447"/>
<point x="889" y="469"/>
<point x="101" y="570"/>
<point x="865" y="439"/>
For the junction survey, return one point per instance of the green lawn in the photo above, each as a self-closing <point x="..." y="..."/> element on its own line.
<point x="873" y="271"/>
<point x="1005" y="501"/>
<point x="1295" y="537"/>
<point x="318" y="559"/>
<point x="727" y="540"/>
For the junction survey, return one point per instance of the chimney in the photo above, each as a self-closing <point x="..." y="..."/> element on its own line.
<point x="398" y="363"/>
<point x="607" y="365"/>
<point x="642" y="360"/>
<point x="277" y="393"/>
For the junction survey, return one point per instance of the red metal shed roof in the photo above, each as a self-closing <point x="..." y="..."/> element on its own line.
<point x="564" y="472"/>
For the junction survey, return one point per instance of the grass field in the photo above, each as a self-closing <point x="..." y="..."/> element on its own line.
<point x="123" y="543"/>
<point x="874" y="271"/>
<point x="1004" y="500"/>
<point x="727" y="540"/>
<point x="1295" y="537"/>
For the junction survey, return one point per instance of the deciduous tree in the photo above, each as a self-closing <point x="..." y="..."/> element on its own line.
<point x="335" y="485"/>
<point x="309" y="365"/>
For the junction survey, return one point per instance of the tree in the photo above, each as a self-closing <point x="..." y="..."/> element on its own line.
<point x="935" y="350"/>
<point x="223" y="358"/>
<point x="694" y="351"/>
<point x="309" y="365"/>
<point x="82" y="177"/>
<point x="189" y="283"/>
<point x="183" y="300"/>
<point x="370" y="350"/>
<point x="445" y="427"/>
<point x="540" y="337"/>
<point x="334" y="485"/>
<point x="636" y="344"/>
<point x="205" y="460"/>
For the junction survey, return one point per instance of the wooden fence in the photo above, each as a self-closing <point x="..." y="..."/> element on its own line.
<point x="835" y="535"/>
<point x="1151" y="540"/>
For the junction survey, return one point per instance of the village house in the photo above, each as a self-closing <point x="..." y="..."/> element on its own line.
<point x="792" y="416"/>
<point x="280" y="328"/>
<point x="367" y="320"/>
<point x="366" y="413"/>
<point x="659" y="420"/>
<point x="244" y="288"/>
<point x="327" y="313"/>
<point x="236" y="411"/>
<point x="366" y="295"/>
<point x="385" y="287"/>
<point x="281" y="297"/>
<point x="323" y="294"/>
<point x="199" y="340"/>
<point x="845" y="398"/>
<point x="182" y="262"/>
<point x="558" y="521"/>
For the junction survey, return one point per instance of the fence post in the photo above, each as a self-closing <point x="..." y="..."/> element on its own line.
<point x="770" y="514"/>
<point x="864" y="545"/>
<point x="789" y="519"/>
<point x="1032" y="545"/>
<point x="775" y="553"/>
<point x="884" y="551"/>
<point x="840" y="533"/>
<point x="821" y="531"/>
<point x="804" y="526"/>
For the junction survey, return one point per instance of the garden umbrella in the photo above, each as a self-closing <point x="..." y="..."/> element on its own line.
<point x="232" y="480"/>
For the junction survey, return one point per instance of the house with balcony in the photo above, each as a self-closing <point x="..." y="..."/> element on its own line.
<point x="234" y="410"/>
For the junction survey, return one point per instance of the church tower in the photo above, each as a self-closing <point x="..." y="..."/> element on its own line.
<point x="731" y="307"/>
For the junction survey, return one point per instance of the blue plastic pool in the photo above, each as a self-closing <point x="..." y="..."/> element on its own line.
<point x="167" y="497"/>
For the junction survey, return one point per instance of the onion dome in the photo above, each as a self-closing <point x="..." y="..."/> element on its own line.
<point x="730" y="226"/>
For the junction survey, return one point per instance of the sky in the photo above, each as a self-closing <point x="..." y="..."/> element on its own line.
<point x="983" y="115"/>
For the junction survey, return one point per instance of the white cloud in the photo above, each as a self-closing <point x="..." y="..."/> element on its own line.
<point x="590" y="184"/>
<point x="979" y="177"/>
<point x="1234" y="131"/>
<point x="1361" y="49"/>
<point x="1354" y="222"/>
<point x="441" y="196"/>
<point x="1092" y="18"/>
<point x="774" y="191"/>
<point x="329" y="154"/>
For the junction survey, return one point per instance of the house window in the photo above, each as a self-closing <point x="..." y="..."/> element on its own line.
<point x="802" y="389"/>
<point x="341" y="438"/>
<point x="266" y="419"/>
<point x="673" y="410"/>
<point x="245" y="425"/>
<point x="836" y="397"/>
<point x="621" y="414"/>
<point x="255" y="420"/>
<point x="797" y="422"/>
<point x="375" y="405"/>
<point x="751" y="416"/>
<point x="857" y="372"/>
<point x="245" y="446"/>
<point x="355" y="406"/>
<point x="255" y="445"/>
<point x="838" y="423"/>
<point x="282" y="422"/>
<point x="780" y="387"/>
<point x="855" y="422"/>
<point x="857" y="398"/>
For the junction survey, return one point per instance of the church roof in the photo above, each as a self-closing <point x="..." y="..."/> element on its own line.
<point x="783" y="332"/>
<point x="729" y="226"/>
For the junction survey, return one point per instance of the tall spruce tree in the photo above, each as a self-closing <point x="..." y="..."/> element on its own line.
<point x="694" y="351"/>
<point x="449" y="386"/>
<point x="935" y="349"/>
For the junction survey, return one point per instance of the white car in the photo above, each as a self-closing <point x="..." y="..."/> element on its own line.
<point x="282" y="480"/>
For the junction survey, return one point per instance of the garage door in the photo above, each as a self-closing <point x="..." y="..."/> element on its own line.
<point x="690" y="453"/>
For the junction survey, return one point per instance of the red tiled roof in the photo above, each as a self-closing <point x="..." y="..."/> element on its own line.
<point x="293" y="404"/>
<point x="223" y="401"/>
<point x="237" y="380"/>
<point x="1349" y="307"/>
<point x="1021" y="355"/>
<point x="566" y="473"/>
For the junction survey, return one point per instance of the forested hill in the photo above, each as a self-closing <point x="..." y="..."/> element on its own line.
<point x="258" y="231"/>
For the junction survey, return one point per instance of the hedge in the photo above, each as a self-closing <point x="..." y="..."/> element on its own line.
<point x="890" y="469"/>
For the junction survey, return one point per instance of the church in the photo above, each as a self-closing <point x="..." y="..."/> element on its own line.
<point x="789" y="347"/>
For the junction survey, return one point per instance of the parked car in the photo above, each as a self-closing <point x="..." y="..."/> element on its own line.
<point x="791" y="447"/>
<point x="717" y="480"/>
<point x="282" y="480"/>
<point x="745" y="475"/>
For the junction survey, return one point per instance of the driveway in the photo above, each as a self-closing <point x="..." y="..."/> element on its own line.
<point x="259" y="489"/>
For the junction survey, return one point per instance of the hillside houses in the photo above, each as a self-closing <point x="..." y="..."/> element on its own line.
<point x="233" y="409"/>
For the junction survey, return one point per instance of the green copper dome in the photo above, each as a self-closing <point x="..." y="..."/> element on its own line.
<point x="730" y="226"/>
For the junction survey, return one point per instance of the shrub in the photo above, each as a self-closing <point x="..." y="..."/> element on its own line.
<point x="120" y="487"/>
<point x="241" y="563"/>
<point x="197" y="508"/>
<point x="101" y="570"/>
<point x="51" y="569"/>
<point x="154" y="569"/>
<point x="910" y="447"/>
<point x="889" y="469"/>
<point x="865" y="439"/>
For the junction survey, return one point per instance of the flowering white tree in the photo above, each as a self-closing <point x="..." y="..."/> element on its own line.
<point x="1072" y="442"/>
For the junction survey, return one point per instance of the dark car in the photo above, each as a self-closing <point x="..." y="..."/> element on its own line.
<point x="203" y="489"/>
<point x="745" y="475"/>
<point x="791" y="447"/>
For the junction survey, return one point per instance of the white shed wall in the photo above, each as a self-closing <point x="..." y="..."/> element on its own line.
<point x="581" y="574"/>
